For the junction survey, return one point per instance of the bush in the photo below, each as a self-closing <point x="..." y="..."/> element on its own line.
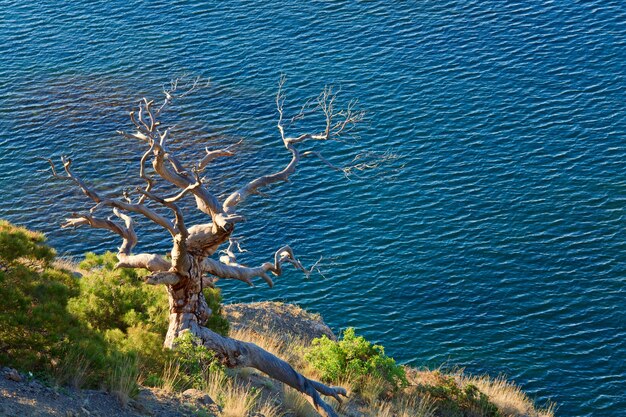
<point x="453" y="400"/>
<point x="118" y="298"/>
<point x="133" y="316"/>
<point x="217" y="322"/>
<point x="196" y="362"/>
<point x="356" y="358"/>
<point x="20" y="244"/>
<point x="79" y="330"/>
<point x="37" y="333"/>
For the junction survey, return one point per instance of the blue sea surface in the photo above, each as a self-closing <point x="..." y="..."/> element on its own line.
<point x="494" y="242"/>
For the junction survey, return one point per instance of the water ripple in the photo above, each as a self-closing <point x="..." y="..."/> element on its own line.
<point x="495" y="242"/>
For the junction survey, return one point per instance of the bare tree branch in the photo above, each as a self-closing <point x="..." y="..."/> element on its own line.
<point x="181" y="263"/>
<point x="337" y="123"/>
<point x="235" y="353"/>
<point x="212" y="155"/>
<point x="148" y="261"/>
<point x="165" y="164"/>
<point x="111" y="202"/>
<point x="163" y="278"/>
<point x="228" y="268"/>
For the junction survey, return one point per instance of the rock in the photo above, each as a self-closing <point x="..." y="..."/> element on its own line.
<point x="278" y="319"/>
<point x="197" y="395"/>
<point x="140" y="407"/>
<point x="143" y="402"/>
<point x="13" y="375"/>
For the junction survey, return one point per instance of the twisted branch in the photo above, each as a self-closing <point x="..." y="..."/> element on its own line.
<point x="228" y="268"/>
<point x="166" y="165"/>
<point x="108" y="201"/>
<point x="147" y="261"/>
<point x="235" y="353"/>
<point x="337" y="123"/>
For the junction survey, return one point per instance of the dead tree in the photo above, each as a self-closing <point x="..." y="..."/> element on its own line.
<point x="191" y="266"/>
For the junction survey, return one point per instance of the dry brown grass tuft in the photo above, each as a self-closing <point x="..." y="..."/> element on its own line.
<point x="171" y="376"/>
<point x="370" y="388"/>
<point x="123" y="381"/>
<point x="214" y="385"/>
<point x="269" y="408"/>
<point x="297" y="404"/>
<point x="404" y="407"/>
<point x="509" y="398"/>
<point x="284" y="346"/>
<point x="73" y="370"/>
<point x="66" y="264"/>
<point x="235" y="400"/>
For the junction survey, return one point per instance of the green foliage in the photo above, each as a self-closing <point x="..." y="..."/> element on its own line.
<point x="196" y="362"/>
<point x="20" y="244"/>
<point x="453" y="400"/>
<point x="133" y="317"/>
<point x="37" y="332"/>
<point x="106" y="327"/>
<point x="130" y="315"/>
<point x="118" y="298"/>
<point x="217" y="322"/>
<point x="354" y="357"/>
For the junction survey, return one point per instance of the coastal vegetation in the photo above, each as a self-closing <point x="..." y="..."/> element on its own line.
<point x="90" y="325"/>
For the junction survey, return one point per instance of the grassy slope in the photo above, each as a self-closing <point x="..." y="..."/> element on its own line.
<point x="429" y="393"/>
<point x="105" y="330"/>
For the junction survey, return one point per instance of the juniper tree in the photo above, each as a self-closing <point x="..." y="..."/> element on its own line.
<point x="191" y="265"/>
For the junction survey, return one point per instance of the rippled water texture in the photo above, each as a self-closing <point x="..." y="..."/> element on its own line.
<point x="495" y="242"/>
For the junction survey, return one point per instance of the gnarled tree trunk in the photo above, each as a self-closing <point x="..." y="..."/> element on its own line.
<point x="191" y="267"/>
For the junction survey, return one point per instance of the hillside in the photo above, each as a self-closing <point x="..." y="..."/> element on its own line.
<point x="86" y="339"/>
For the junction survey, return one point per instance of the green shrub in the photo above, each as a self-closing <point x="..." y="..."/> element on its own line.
<point x="78" y="331"/>
<point x="37" y="333"/>
<point x="217" y="322"/>
<point x="132" y="316"/>
<point x="118" y="298"/>
<point x="356" y="358"/>
<point x="453" y="400"/>
<point x="196" y="362"/>
<point x="20" y="244"/>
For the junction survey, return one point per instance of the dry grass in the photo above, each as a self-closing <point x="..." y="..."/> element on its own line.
<point x="371" y="388"/>
<point x="171" y="376"/>
<point x="509" y="398"/>
<point x="268" y="408"/>
<point x="408" y="406"/>
<point x="73" y="370"/>
<point x="237" y="400"/>
<point x="284" y="346"/>
<point x="123" y="381"/>
<point x="66" y="264"/>
<point x="214" y="385"/>
<point x="234" y="399"/>
<point x="416" y="407"/>
<point x="297" y="404"/>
